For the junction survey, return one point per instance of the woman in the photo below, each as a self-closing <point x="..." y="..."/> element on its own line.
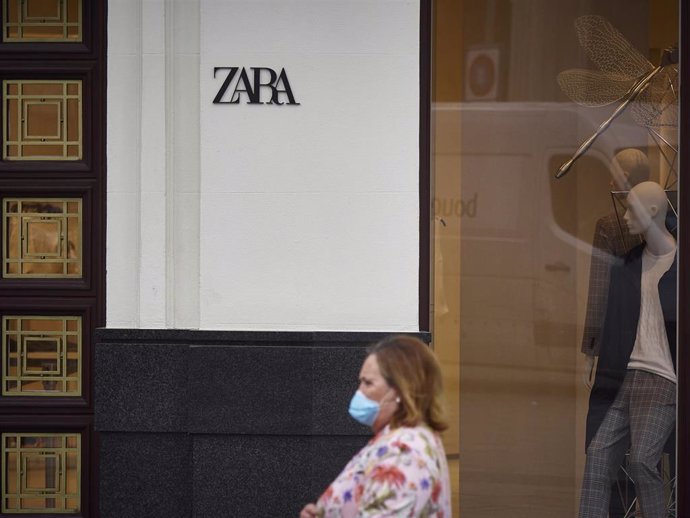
<point x="402" y="472"/>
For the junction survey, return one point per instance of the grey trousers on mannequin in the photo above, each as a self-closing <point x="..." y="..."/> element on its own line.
<point x="641" y="418"/>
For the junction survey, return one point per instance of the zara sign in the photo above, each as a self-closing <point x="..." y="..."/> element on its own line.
<point x="256" y="85"/>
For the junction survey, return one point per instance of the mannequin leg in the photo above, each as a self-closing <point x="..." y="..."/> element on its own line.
<point x="604" y="456"/>
<point x="652" y="417"/>
<point x="622" y="494"/>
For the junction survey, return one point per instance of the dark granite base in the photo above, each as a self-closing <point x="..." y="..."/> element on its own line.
<point x="223" y="424"/>
<point x="145" y="475"/>
<point x="264" y="476"/>
<point x="141" y="389"/>
<point x="273" y="390"/>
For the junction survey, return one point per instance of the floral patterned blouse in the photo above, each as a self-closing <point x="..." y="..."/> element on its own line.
<point x="401" y="473"/>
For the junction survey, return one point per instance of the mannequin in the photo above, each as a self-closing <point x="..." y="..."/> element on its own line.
<point x="632" y="403"/>
<point x="646" y="216"/>
<point x="629" y="167"/>
<point x="611" y="242"/>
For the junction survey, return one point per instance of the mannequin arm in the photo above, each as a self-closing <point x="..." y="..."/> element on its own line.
<point x="590" y="371"/>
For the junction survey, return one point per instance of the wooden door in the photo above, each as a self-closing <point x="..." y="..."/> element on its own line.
<point x="52" y="277"/>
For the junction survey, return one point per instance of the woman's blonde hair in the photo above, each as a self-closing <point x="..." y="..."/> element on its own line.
<point x="409" y="366"/>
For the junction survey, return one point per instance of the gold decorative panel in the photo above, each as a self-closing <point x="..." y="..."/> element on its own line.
<point x="42" y="20"/>
<point x="42" y="120"/>
<point x="42" y="237"/>
<point x="41" y="356"/>
<point x="41" y="472"/>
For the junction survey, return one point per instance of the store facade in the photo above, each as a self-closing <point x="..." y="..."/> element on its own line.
<point x="289" y="181"/>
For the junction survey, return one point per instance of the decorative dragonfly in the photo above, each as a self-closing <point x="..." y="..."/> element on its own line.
<point x="627" y="76"/>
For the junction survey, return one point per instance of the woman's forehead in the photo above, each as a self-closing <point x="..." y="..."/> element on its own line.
<point x="370" y="367"/>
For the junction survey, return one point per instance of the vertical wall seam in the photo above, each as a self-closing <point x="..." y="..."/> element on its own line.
<point x="169" y="163"/>
<point x="199" y="172"/>
<point x="140" y="108"/>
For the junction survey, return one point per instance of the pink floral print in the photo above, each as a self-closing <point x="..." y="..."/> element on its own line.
<point x="401" y="473"/>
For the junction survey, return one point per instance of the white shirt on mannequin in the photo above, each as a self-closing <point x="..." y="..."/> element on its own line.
<point x="651" y="351"/>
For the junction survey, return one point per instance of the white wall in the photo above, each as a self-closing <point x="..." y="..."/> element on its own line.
<point x="263" y="217"/>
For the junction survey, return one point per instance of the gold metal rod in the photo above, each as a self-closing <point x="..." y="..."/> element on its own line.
<point x="641" y="85"/>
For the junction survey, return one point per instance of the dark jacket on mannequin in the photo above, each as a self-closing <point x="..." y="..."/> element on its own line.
<point x="620" y="331"/>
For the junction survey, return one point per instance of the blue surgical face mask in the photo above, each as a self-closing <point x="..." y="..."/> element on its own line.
<point x="363" y="409"/>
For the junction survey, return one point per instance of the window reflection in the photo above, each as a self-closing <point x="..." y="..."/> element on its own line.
<point x="42" y="20"/>
<point x="42" y="120"/>
<point x="41" y="473"/>
<point x="522" y="259"/>
<point x="42" y="237"/>
<point x="41" y="356"/>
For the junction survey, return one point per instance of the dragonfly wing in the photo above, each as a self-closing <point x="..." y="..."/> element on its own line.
<point x="608" y="48"/>
<point x="593" y="88"/>
<point x="657" y="105"/>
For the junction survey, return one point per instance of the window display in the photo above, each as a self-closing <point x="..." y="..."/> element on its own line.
<point x="633" y="401"/>
<point x="543" y="282"/>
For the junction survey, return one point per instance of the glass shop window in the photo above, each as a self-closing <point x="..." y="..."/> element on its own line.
<point x="554" y="219"/>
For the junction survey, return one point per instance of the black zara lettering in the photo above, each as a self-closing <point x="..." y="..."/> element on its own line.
<point x="243" y="85"/>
